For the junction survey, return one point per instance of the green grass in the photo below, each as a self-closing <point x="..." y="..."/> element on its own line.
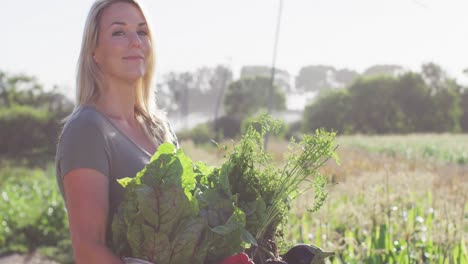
<point x="32" y="214"/>
<point x="404" y="235"/>
<point x="393" y="199"/>
<point x="390" y="208"/>
<point x="448" y="148"/>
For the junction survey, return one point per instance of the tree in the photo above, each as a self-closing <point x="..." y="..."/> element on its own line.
<point x="386" y="104"/>
<point x="345" y="76"/>
<point x="464" y="105"/>
<point x="434" y="77"/>
<point x="29" y="117"/>
<point x="390" y="70"/>
<point x="446" y="98"/>
<point x="464" y="109"/>
<point x="21" y="89"/>
<point x="247" y="96"/>
<point x="282" y="78"/>
<point x="448" y="111"/>
<point x="18" y="89"/>
<point x="173" y="92"/>
<point x="373" y="109"/>
<point x="331" y="111"/>
<point x="314" y="78"/>
<point x="188" y="92"/>
<point x="412" y="97"/>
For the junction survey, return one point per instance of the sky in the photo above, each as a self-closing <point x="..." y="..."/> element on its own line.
<point x="43" y="38"/>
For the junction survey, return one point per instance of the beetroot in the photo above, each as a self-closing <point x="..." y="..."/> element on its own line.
<point x="306" y="254"/>
<point x="240" y="258"/>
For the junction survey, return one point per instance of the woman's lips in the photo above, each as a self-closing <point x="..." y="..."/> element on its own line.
<point x="133" y="58"/>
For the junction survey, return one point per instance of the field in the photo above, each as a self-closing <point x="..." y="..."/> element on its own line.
<point x="445" y="148"/>
<point x="393" y="199"/>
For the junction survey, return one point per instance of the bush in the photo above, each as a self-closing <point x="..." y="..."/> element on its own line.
<point x="32" y="214"/>
<point x="256" y="123"/>
<point x="200" y="134"/>
<point x="247" y="96"/>
<point x="329" y="111"/>
<point x="294" y="130"/>
<point x="226" y="127"/>
<point x="29" y="132"/>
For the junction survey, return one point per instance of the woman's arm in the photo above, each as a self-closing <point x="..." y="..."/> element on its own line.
<point x="86" y="192"/>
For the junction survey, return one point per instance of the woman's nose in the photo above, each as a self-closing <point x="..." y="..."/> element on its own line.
<point x="135" y="40"/>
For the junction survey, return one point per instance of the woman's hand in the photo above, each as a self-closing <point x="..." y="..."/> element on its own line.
<point x="87" y="192"/>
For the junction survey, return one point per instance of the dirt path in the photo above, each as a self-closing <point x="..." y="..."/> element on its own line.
<point x="33" y="258"/>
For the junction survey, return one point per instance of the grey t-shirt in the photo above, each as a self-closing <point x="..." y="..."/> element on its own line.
<point x="90" y="140"/>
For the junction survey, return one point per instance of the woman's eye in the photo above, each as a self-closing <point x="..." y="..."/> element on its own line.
<point x="117" y="33"/>
<point x="121" y="33"/>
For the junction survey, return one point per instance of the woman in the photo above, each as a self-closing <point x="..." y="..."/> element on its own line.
<point x="112" y="132"/>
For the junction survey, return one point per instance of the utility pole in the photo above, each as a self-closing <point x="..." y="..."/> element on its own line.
<point x="273" y="70"/>
<point x="222" y="87"/>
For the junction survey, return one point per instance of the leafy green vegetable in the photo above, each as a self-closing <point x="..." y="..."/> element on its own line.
<point x="179" y="211"/>
<point x="265" y="191"/>
<point x="167" y="218"/>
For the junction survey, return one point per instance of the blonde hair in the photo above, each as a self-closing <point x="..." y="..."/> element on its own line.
<point x="89" y="79"/>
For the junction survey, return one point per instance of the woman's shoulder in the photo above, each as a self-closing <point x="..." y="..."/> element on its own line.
<point x="83" y="120"/>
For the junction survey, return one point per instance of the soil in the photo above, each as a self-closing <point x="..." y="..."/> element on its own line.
<point x="33" y="258"/>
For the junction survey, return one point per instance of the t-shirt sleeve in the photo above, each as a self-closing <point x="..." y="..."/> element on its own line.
<point x="82" y="145"/>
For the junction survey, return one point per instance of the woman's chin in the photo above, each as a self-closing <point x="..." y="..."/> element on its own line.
<point x="133" y="76"/>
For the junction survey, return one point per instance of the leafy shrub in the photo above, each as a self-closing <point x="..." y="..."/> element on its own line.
<point x="226" y="127"/>
<point x="30" y="132"/>
<point x="200" y="134"/>
<point x="32" y="213"/>
<point x="257" y="125"/>
<point x="247" y="96"/>
<point x="293" y="130"/>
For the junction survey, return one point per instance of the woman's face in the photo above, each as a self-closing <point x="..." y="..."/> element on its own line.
<point x="124" y="46"/>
